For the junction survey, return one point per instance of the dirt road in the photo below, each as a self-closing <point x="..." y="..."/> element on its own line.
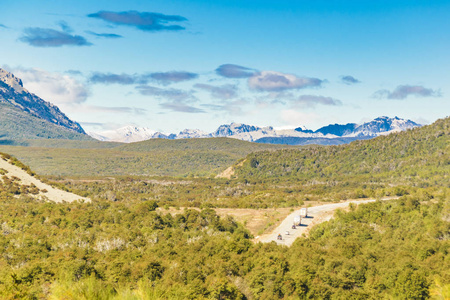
<point x="316" y="215"/>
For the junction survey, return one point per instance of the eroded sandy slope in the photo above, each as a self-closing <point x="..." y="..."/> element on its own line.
<point x="46" y="192"/>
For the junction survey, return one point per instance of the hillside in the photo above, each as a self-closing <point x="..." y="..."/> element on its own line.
<point x="16" y="126"/>
<point x="419" y="156"/>
<point x="199" y="157"/>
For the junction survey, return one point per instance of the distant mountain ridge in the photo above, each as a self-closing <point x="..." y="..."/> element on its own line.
<point x="332" y="134"/>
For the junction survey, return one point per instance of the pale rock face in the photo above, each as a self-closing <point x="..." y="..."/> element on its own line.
<point x="12" y="81"/>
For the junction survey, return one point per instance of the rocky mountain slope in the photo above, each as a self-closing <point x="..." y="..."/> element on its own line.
<point x="26" y="116"/>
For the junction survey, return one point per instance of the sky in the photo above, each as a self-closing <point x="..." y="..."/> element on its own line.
<point x="170" y="65"/>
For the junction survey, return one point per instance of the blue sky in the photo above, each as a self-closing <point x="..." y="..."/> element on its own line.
<point x="170" y="65"/>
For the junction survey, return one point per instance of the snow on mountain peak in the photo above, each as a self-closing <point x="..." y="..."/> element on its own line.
<point x="382" y="126"/>
<point x="127" y="134"/>
<point x="192" y="134"/>
<point x="376" y="127"/>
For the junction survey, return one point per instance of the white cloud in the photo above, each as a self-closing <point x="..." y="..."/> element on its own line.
<point x="54" y="87"/>
<point x="277" y="81"/>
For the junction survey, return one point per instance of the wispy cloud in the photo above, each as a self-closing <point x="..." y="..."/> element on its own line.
<point x="110" y="78"/>
<point x="172" y="94"/>
<point x="95" y="109"/>
<point x="65" y="27"/>
<point x="74" y="72"/>
<point x="53" y="87"/>
<point x="234" y="71"/>
<point x="224" y="92"/>
<point x="313" y="100"/>
<point x="164" y="78"/>
<point x="181" y="107"/>
<point x="46" y="37"/>
<point x="117" y="109"/>
<point x="276" y="81"/>
<point x="349" y="80"/>
<point x="403" y="91"/>
<point x="172" y="76"/>
<point x="231" y="107"/>
<point x="145" y="21"/>
<point x="104" y="35"/>
<point x="172" y="99"/>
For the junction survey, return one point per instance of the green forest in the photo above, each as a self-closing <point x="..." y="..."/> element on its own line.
<point x="120" y="246"/>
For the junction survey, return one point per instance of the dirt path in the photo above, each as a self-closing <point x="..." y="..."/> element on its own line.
<point x="51" y="194"/>
<point x="316" y="215"/>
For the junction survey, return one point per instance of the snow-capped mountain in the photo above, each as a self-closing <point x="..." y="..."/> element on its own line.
<point x="381" y="126"/>
<point x="234" y="129"/>
<point x="338" y="129"/>
<point x="127" y="134"/>
<point x="254" y="133"/>
<point x="330" y="134"/>
<point x="192" y="134"/>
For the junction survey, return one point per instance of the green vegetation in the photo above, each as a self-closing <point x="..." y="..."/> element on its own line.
<point x="418" y="157"/>
<point x="198" y="157"/>
<point x="289" y="178"/>
<point x="120" y="247"/>
<point x="109" y="250"/>
<point x="16" y="126"/>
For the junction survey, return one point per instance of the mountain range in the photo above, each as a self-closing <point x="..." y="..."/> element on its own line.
<point x="24" y="115"/>
<point x="328" y="135"/>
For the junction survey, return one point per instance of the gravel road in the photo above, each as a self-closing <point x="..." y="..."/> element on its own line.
<point x="316" y="215"/>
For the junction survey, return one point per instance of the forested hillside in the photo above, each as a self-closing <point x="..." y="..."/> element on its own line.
<point x="16" y="126"/>
<point x="415" y="157"/>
